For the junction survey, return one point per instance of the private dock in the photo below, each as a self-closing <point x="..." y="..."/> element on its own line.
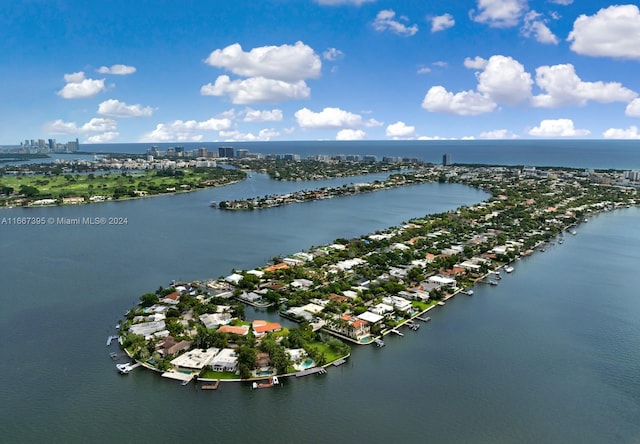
<point x="270" y="383"/>
<point x="339" y="362"/>
<point x="213" y="386"/>
<point x="311" y="371"/>
<point x="393" y="330"/>
<point x="427" y="319"/>
<point x="111" y="338"/>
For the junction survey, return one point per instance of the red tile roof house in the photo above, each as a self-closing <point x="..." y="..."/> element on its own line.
<point x="260" y="328"/>
<point x="172" y="298"/>
<point x="242" y="330"/>
<point x="354" y="328"/>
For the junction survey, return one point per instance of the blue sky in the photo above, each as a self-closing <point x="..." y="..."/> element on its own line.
<point x="163" y="71"/>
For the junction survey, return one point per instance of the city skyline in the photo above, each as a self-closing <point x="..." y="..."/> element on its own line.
<point x="319" y="70"/>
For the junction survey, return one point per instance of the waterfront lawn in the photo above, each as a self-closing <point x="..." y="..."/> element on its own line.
<point x="322" y="348"/>
<point x="422" y="306"/>
<point x="210" y="374"/>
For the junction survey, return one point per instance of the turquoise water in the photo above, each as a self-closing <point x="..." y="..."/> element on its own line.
<point x="307" y="363"/>
<point x="549" y="355"/>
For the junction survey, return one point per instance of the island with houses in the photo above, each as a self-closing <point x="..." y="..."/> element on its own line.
<point x="353" y="292"/>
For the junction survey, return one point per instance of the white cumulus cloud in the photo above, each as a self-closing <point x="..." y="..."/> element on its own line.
<point x="563" y="87"/>
<point x="442" y="22"/>
<point x="330" y="118"/>
<point x="185" y="131"/>
<point x="476" y="63"/>
<point x="465" y="103"/>
<point x="115" y="108"/>
<point x="120" y="70"/>
<point x="262" y="136"/>
<point x="332" y="54"/>
<point x="633" y="108"/>
<point x="400" y="130"/>
<point x="351" y="134"/>
<point x="288" y="63"/>
<point x="498" y="134"/>
<point x="620" y="133"/>
<point x="535" y="26"/>
<point x="557" y="128"/>
<point x="256" y="89"/>
<point x="385" y="21"/>
<point x="103" y="138"/>
<point x="254" y="115"/>
<point x="95" y="125"/>
<point x="80" y="87"/>
<point x="499" y="13"/>
<point x="504" y="80"/>
<point x="611" y="32"/>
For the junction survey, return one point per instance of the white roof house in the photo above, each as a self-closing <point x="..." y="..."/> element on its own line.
<point x="194" y="360"/>
<point x="370" y="317"/>
<point x="233" y="278"/>
<point x="225" y="361"/>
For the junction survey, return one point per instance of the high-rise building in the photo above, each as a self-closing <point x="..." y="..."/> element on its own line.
<point x="226" y="151"/>
<point x="243" y="153"/>
<point x="202" y="152"/>
<point x="446" y="159"/>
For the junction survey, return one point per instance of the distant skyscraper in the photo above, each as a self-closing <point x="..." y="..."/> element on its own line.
<point x="202" y="152"/>
<point x="446" y="159"/>
<point x="226" y="151"/>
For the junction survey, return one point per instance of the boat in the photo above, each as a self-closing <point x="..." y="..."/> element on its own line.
<point x="378" y="342"/>
<point x="114" y="356"/>
<point x="440" y="302"/>
<point x="509" y="269"/>
<point x="123" y="368"/>
<point x="185" y="382"/>
<point x="270" y="383"/>
<point x="468" y="292"/>
<point x="213" y="204"/>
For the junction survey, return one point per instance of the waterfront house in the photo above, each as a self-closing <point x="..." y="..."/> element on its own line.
<point x="194" y="360"/>
<point x="169" y="346"/>
<point x="171" y="298"/>
<point x="234" y="278"/>
<point x="225" y="361"/>
<point x="354" y="328"/>
<point x="147" y="329"/>
<point x="397" y="302"/>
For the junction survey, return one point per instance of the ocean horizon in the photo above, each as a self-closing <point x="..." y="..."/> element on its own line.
<point x="573" y="153"/>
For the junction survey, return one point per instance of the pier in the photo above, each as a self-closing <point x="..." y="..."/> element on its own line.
<point x="393" y="330"/>
<point x="311" y="371"/>
<point x="427" y="319"/>
<point x="111" y="338"/>
<point x="339" y="362"/>
<point x="213" y="386"/>
<point x="126" y="368"/>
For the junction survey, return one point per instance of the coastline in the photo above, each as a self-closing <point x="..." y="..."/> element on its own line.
<point x="597" y="207"/>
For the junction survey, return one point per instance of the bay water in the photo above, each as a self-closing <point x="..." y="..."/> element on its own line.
<point x="549" y="355"/>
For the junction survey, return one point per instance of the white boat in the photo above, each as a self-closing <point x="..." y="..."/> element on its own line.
<point x="467" y="292"/>
<point x="123" y="368"/>
<point x="509" y="269"/>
